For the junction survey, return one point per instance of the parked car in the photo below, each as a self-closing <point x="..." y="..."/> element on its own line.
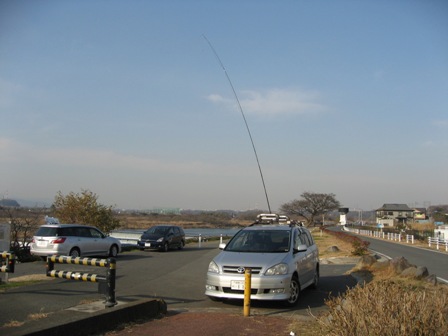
<point x="75" y="240"/>
<point x="163" y="238"/>
<point x="282" y="256"/>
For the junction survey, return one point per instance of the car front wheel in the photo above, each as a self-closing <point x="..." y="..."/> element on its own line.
<point x="294" y="292"/>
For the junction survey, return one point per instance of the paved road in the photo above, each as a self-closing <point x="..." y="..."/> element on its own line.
<point x="435" y="261"/>
<point x="178" y="277"/>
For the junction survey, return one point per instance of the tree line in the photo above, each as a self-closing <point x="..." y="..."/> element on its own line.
<point x="84" y="208"/>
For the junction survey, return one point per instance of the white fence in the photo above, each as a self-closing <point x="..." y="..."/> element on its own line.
<point x="379" y="234"/>
<point x="438" y="242"/>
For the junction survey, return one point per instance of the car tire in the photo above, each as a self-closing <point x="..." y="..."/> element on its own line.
<point x="182" y="244"/>
<point x="294" y="292"/>
<point x="113" y="251"/>
<point x="165" y="247"/>
<point x="75" y="252"/>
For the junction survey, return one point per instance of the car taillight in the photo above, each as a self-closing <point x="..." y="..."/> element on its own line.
<point x="59" y="240"/>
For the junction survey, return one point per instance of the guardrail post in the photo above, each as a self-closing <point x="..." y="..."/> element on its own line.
<point x="220" y="239"/>
<point x="110" y="280"/>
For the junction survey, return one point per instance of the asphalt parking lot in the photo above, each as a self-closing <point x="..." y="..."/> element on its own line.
<point x="148" y="284"/>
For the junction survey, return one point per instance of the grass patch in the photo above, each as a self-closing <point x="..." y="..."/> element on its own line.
<point x="325" y="241"/>
<point x="387" y="305"/>
<point x="38" y="316"/>
<point x="4" y="286"/>
<point x="13" y="324"/>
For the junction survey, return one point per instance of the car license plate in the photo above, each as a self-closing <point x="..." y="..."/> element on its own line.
<point x="237" y="284"/>
<point x="42" y="243"/>
<point x="148" y="244"/>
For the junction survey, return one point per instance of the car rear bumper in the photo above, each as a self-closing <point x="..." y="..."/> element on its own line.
<point x="47" y="251"/>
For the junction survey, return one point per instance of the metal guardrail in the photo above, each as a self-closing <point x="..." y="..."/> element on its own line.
<point x="106" y="283"/>
<point x="126" y="237"/>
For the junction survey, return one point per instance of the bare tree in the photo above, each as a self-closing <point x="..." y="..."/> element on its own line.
<point x="310" y="206"/>
<point x="24" y="223"/>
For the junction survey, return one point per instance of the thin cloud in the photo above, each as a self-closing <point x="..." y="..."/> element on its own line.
<point x="275" y="102"/>
<point x="12" y="151"/>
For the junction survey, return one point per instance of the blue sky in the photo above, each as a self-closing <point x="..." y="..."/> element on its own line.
<point x="127" y="99"/>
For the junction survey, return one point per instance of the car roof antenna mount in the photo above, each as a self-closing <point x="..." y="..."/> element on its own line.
<point x="244" y="118"/>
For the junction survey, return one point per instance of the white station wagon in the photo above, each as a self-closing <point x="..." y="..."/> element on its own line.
<point x="73" y="240"/>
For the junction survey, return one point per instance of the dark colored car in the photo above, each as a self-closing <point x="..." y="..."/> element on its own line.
<point x="163" y="238"/>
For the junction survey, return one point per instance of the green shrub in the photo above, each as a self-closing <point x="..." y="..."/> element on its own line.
<point x="360" y="247"/>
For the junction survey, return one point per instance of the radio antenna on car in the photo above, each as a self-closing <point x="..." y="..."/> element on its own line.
<point x="244" y="118"/>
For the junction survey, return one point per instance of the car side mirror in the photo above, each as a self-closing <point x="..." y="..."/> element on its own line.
<point x="222" y="246"/>
<point x="300" y="248"/>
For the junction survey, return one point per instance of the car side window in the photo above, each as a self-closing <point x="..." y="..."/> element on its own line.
<point x="95" y="233"/>
<point x="66" y="232"/>
<point x="302" y="238"/>
<point x="83" y="232"/>
<point x="310" y="238"/>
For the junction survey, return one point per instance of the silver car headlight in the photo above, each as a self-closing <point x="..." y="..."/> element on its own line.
<point x="278" y="269"/>
<point x="213" y="268"/>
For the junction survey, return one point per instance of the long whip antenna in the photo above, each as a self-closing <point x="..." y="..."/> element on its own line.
<point x="244" y="118"/>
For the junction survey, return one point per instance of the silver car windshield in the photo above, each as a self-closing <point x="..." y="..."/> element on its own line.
<point x="261" y="241"/>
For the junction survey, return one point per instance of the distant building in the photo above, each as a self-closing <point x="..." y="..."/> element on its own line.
<point x="394" y="214"/>
<point x="420" y="215"/>
<point x="441" y="232"/>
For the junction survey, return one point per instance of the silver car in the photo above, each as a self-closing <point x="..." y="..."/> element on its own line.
<point x="283" y="259"/>
<point x="73" y="240"/>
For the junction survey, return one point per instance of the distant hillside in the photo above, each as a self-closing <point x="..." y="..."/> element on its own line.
<point x="5" y="202"/>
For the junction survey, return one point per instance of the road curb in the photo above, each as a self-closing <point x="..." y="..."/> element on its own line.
<point x="69" y="323"/>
